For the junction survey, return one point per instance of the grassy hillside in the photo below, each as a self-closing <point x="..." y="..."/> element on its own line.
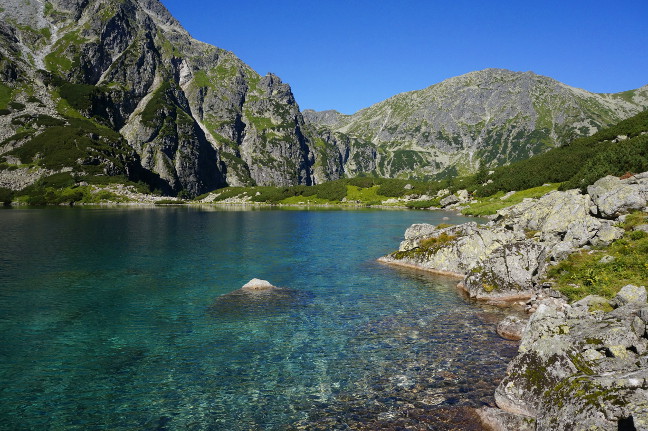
<point x="613" y="151"/>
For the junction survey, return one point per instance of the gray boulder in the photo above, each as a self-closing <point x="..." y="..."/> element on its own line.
<point x="509" y="272"/>
<point x="630" y="294"/>
<point x="580" y="370"/>
<point x="449" y="200"/>
<point x="641" y="227"/>
<point x="592" y="302"/>
<point x="613" y="196"/>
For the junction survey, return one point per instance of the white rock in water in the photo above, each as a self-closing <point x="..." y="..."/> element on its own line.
<point x="257" y="284"/>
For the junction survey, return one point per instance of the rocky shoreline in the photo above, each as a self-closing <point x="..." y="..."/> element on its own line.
<point x="579" y="366"/>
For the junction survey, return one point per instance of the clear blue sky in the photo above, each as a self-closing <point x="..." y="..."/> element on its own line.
<point x="350" y="54"/>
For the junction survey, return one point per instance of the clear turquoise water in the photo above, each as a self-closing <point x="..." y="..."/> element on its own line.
<point x="113" y="319"/>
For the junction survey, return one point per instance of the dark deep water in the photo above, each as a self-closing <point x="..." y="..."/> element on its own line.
<point x="111" y="319"/>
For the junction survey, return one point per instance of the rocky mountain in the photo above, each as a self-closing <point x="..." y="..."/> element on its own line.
<point x="105" y="88"/>
<point x="481" y="119"/>
<point x="98" y="91"/>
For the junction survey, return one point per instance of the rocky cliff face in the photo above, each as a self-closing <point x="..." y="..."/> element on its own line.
<point x="481" y="119"/>
<point x="140" y="98"/>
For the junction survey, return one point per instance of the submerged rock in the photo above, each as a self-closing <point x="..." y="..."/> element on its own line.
<point x="511" y="328"/>
<point x="256" y="296"/>
<point x="499" y="420"/>
<point x="257" y="284"/>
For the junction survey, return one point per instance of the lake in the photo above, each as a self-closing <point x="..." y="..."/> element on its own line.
<point x="114" y="318"/>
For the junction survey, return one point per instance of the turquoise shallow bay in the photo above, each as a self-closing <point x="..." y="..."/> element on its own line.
<point x="110" y="319"/>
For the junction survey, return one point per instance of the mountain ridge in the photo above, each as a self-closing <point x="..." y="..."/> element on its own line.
<point x="117" y="90"/>
<point x="464" y="112"/>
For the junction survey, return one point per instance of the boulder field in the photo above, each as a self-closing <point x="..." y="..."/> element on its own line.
<point x="579" y="366"/>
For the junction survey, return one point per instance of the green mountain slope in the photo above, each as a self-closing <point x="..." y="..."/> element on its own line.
<point x="482" y="119"/>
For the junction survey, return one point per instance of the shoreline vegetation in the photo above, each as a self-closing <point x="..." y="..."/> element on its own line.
<point x="617" y="150"/>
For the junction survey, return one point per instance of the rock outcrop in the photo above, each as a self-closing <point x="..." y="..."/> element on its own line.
<point x="578" y="369"/>
<point x="505" y="259"/>
<point x="579" y="366"/>
<point x="613" y="196"/>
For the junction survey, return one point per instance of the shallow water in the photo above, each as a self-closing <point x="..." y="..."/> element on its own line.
<point x="114" y="319"/>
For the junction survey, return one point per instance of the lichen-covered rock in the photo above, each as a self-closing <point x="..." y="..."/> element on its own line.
<point x="553" y="213"/>
<point x="613" y="196"/>
<point x="454" y="249"/>
<point x="509" y="272"/>
<point x="579" y="370"/>
<point x="593" y="302"/>
<point x="630" y="294"/>
<point x="415" y="233"/>
<point x="449" y="200"/>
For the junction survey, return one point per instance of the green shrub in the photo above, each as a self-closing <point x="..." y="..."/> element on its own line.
<point x="170" y="202"/>
<point x="577" y="164"/>
<point x="6" y="196"/>
<point x="16" y="106"/>
<point x="58" y="181"/>
<point x="363" y="182"/>
<point x="332" y="190"/>
<point x="619" y="158"/>
<point x="423" y="204"/>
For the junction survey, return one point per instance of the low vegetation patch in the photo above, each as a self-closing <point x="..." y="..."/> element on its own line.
<point x="587" y="273"/>
<point x="491" y="204"/>
<point x="427" y="247"/>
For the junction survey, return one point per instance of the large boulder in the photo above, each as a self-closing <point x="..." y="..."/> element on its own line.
<point x="449" y="200"/>
<point x="510" y="272"/>
<point x="453" y="250"/>
<point x="630" y="294"/>
<point x="580" y="370"/>
<point x="613" y="196"/>
<point x="591" y="230"/>
<point x="551" y="214"/>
